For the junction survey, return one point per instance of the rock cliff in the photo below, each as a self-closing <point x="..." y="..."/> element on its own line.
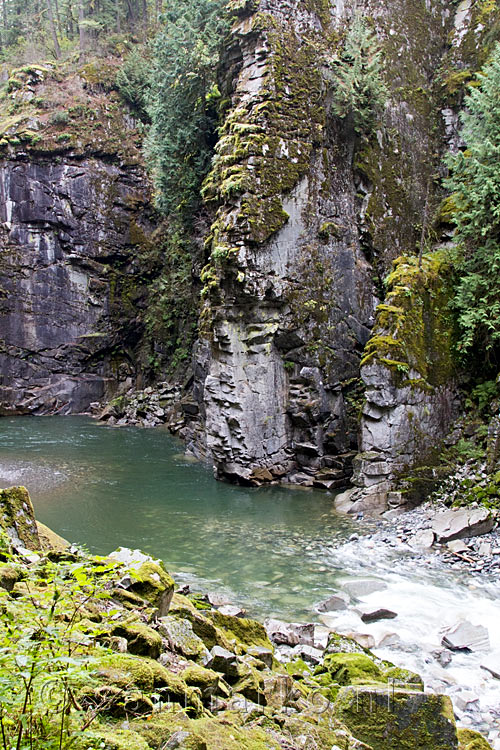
<point x="76" y="219"/>
<point x="308" y="221"/>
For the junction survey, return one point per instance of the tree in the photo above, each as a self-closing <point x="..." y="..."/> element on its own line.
<point x="359" y="92"/>
<point x="475" y="184"/>
<point x="182" y="108"/>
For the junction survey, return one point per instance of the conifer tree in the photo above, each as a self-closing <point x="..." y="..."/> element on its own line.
<point x="475" y="182"/>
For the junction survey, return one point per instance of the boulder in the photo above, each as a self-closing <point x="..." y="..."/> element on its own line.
<point x="50" y="540"/>
<point x="393" y="719"/>
<point x="290" y="634"/>
<point x="468" y="739"/>
<point x="223" y="661"/>
<point x="146" y="577"/>
<point x="363" y="587"/>
<point x="307" y="654"/>
<point x="373" y="614"/>
<point x="466" y="637"/>
<point x="17" y="519"/>
<point x="181" y="638"/>
<point x="335" y="603"/>
<point x="423" y="539"/>
<point x="462" y="524"/>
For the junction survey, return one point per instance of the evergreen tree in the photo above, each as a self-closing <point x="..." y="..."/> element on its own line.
<point x="475" y="182"/>
<point x="184" y="96"/>
<point x="359" y="91"/>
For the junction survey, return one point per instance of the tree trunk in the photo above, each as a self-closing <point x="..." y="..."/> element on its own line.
<point x="58" y="17"/>
<point x="57" y="49"/>
<point x="4" y="15"/>
<point x="81" y="27"/>
<point x="145" y="20"/>
<point x="118" y="21"/>
<point x="158" y="10"/>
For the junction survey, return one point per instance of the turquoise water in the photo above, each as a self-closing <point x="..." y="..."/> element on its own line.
<point x="105" y="487"/>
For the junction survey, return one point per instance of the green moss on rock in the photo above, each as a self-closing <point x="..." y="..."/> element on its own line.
<point x="351" y="669"/>
<point x="470" y="740"/>
<point x="398" y="720"/>
<point x="17" y="517"/>
<point x="245" y="632"/>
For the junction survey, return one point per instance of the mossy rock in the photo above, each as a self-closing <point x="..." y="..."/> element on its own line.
<point x="182" y="638"/>
<point x="351" y="669"/>
<point x="224" y="733"/>
<point x="398" y="720"/>
<point x="110" y="739"/>
<point x="245" y="632"/>
<point x="342" y="644"/>
<point x="141" y="639"/>
<point x="403" y="678"/>
<point x="251" y="685"/>
<point x="321" y="731"/>
<point x="127" y="672"/>
<point x="17" y="518"/>
<point x="154" y="584"/>
<point x="204" y="679"/>
<point x="470" y="740"/>
<point x="182" y="609"/>
<point x="9" y="576"/>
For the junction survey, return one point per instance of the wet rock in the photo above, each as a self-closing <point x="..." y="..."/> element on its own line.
<point x="365" y="640"/>
<point x="363" y="587"/>
<point x="462" y="523"/>
<point x="373" y="614"/>
<point x="466" y="637"/>
<point x="388" y="639"/>
<point x="334" y="603"/>
<point x="442" y="657"/>
<point x="491" y="664"/>
<point x="457" y="546"/>
<point x="290" y="634"/>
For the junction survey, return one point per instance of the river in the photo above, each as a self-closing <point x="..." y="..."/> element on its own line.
<point x="277" y="551"/>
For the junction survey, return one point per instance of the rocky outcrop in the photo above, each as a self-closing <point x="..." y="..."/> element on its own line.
<point x="308" y="219"/>
<point x="69" y="280"/>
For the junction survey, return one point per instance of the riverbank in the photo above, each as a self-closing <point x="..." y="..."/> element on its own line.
<point x="119" y="660"/>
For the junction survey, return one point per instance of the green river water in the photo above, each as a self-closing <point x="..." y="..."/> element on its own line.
<point x="105" y="487"/>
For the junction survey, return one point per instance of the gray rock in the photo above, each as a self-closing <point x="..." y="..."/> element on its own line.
<point x="466" y="637"/>
<point x="334" y="603"/>
<point x="363" y="587"/>
<point x="222" y="660"/>
<point x="423" y="539"/>
<point x="491" y="664"/>
<point x="308" y="653"/>
<point x="232" y="611"/>
<point x="457" y="546"/>
<point x="462" y="524"/>
<point x="365" y="640"/>
<point x="290" y="634"/>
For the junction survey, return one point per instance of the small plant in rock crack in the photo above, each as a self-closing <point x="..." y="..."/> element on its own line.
<point x="46" y="655"/>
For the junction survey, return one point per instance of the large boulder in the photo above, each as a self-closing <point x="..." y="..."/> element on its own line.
<point x="388" y="719"/>
<point x="145" y="577"/>
<point x="462" y="523"/>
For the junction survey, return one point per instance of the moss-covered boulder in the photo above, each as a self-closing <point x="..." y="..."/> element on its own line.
<point x="206" y="680"/>
<point x="129" y="673"/>
<point x="141" y="639"/>
<point x="242" y="631"/>
<point x="388" y="719"/>
<point x="224" y="733"/>
<point x="110" y="739"/>
<point x="154" y="584"/>
<point x="351" y="669"/>
<point x="181" y="637"/>
<point x="9" y="576"/>
<point x="470" y="740"/>
<point x="17" y="518"/>
<point x="182" y="609"/>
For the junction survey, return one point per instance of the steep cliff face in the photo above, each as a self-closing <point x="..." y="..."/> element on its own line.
<point x="309" y="219"/>
<point x="67" y="273"/>
<point x="76" y="224"/>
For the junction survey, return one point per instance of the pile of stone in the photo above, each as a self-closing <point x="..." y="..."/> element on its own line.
<point x="147" y="408"/>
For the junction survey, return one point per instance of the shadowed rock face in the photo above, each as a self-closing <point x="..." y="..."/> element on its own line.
<point x="308" y="219"/>
<point x="68" y="280"/>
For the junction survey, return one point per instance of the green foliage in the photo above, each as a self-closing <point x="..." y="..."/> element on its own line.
<point x="475" y="182"/>
<point x="184" y="100"/>
<point x="359" y="92"/>
<point x="46" y="654"/>
<point x="133" y="84"/>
